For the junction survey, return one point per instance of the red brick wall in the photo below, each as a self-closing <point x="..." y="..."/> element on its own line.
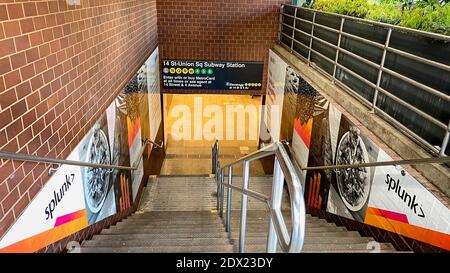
<point x="60" y="67"/>
<point x="235" y="30"/>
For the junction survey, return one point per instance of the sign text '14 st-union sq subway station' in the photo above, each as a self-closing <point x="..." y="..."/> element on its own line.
<point x="214" y="75"/>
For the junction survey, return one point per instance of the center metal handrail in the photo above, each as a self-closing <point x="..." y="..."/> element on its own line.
<point x="59" y="162"/>
<point x="290" y="241"/>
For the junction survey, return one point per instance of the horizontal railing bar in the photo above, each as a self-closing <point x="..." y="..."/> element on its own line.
<point x="419" y="59"/>
<point x="302" y="44"/>
<point x="325" y="42"/>
<point x="414" y="109"/>
<point x="417" y="84"/>
<point x="290" y="16"/>
<point x="366" y="61"/>
<point x="258" y="196"/>
<point x="407" y="131"/>
<point x="393" y="73"/>
<point x="49" y="160"/>
<point x="346" y="69"/>
<point x="40" y="159"/>
<point x="327" y="28"/>
<point x="370" y="42"/>
<point x="361" y="78"/>
<point x="418" y="161"/>
<point x="287" y="36"/>
<point x="263" y="152"/>
<point x="289" y="26"/>
<point x="361" y="39"/>
<point x="379" y="111"/>
<point x="353" y="93"/>
<point x="302" y="20"/>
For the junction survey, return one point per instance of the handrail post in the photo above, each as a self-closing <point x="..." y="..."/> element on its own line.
<point x="380" y="71"/>
<point x="244" y="204"/>
<point x="218" y="190"/>
<point x="338" y="49"/>
<point x="312" y="35"/>
<point x="293" y="30"/>
<point x="280" y="28"/>
<point x="230" y="182"/>
<point x="222" y="196"/>
<point x="445" y="141"/>
<point x="277" y="196"/>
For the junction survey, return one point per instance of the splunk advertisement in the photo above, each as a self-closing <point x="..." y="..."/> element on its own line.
<point x="400" y="204"/>
<point x="76" y="197"/>
<point x="386" y="197"/>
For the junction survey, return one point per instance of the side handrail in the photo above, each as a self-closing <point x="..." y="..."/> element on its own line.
<point x="400" y="162"/>
<point x="290" y="241"/>
<point x="416" y="161"/>
<point x="49" y="160"/>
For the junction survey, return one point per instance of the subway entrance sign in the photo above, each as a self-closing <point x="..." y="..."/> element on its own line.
<point x="213" y="75"/>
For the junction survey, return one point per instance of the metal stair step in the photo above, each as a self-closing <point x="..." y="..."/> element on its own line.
<point x="109" y="242"/>
<point x="311" y="240"/>
<point x="326" y="247"/>
<point x="173" y="221"/>
<point x="161" y="230"/>
<point x="166" y="249"/>
<point x="156" y="236"/>
<point x="315" y="233"/>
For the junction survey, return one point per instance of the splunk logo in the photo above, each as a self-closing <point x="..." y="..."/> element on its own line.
<point x="58" y="196"/>
<point x="406" y="197"/>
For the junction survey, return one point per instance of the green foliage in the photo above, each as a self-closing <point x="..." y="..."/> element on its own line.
<point x="356" y="8"/>
<point x="390" y="13"/>
<point x="427" y="15"/>
<point x="434" y="18"/>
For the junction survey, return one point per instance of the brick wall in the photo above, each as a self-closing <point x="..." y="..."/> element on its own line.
<point x="234" y="30"/>
<point x="60" y="67"/>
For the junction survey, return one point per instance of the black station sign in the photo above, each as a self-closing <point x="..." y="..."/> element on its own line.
<point x="212" y="75"/>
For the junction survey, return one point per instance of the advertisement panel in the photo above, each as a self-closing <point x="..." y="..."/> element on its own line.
<point x="154" y="94"/>
<point x="275" y="94"/>
<point x="140" y="103"/>
<point x="56" y="212"/>
<point x="350" y="188"/>
<point x="76" y="197"/>
<point x="400" y="204"/>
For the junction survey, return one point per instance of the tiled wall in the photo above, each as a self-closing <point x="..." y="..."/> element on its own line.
<point x="60" y="67"/>
<point x="231" y="30"/>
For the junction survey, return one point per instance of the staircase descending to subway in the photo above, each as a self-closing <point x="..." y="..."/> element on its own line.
<point x="178" y="214"/>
